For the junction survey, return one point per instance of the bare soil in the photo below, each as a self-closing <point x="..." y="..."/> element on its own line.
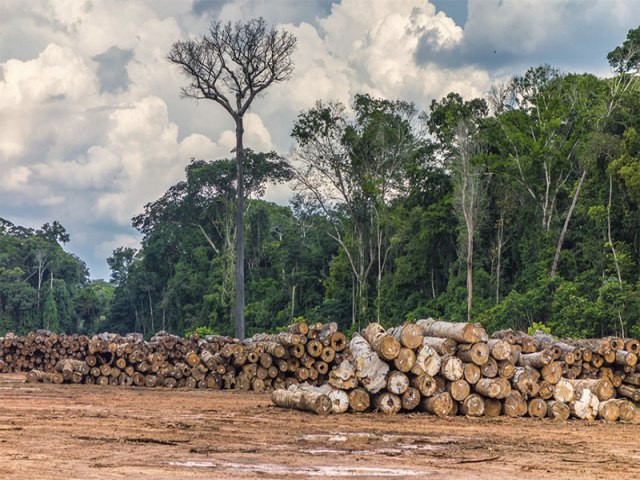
<point x="92" y="432"/>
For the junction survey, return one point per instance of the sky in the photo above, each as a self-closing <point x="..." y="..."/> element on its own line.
<point x="92" y="126"/>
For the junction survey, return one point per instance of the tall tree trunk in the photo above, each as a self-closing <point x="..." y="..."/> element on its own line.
<point x="469" y="274"/>
<point x="293" y="301"/>
<point x="153" y="326"/>
<point x="240" y="230"/>
<point x="610" y="238"/>
<point x="499" y="252"/>
<point x="565" y="227"/>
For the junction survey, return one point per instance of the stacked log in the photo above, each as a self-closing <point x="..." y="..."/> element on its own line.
<point x="443" y="368"/>
<point x="302" y="353"/>
<point x="452" y="368"/>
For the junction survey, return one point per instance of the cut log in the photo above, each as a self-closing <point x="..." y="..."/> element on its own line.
<point x="508" y="336"/>
<point x="602" y="388"/>
<point x="558" y="410"/>
<point x="627" y="410"/>
<point x="490" y="369"/>
<point x="397" y="382"/>
<point x="410" y="399"/>
<point x="425" y="384"/>
<point x="492" y="407"/>
<point x="460" y="332"/>
<point x="443" y="346"/>
<point x="500" y="349"/>
<point x="343" y="377"/>
<point x="546" y="390"/>
<point x="314" y="402"/>
<point x="609" y="410"/>
<point x="632" y="345"/>
<point x="506" y="369"/>
<point x="472" y="373"/>
<point x="585" y="407"/>
<point x="515" y="405"/>
<point x="632" y="378"/>
<point x="552" y="372"/>
<point x="629" y="392"/>
<point x="441" y="405"/>
<point x="458" y="389"/>
<point x="472" y="406"/>
<point x="387" y="403"/>
<point x="477" y="353"/>
<point x="498" y="388"/>
<point x="371" y="371"/>
<point x="452" y="368"/>
<point x="626" y="358"/>
<point x="359" y="400"/>
<point x="537" y="408"/>
<point x="536" y="360"/>
<point x="383" y="344"/>
<point x="409" y="335"/>
<point x="405" y="360"/>
<point x="427" y="361"/>
<point x="525" y="381"/>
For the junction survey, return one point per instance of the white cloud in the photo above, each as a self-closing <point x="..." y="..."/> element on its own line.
<point x="93" y="158"/>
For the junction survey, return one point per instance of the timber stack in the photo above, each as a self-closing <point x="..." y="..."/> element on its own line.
<point x="303" y="353"/>
<point x="449" y="368"/>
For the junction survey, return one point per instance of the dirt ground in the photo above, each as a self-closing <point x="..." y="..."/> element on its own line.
<point x="92" y="432"/>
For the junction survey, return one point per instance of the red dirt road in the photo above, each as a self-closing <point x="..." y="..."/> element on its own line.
<point x="89" y="432"/>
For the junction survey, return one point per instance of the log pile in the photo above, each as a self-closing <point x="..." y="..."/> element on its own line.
<point x="448" y="368"/>
<point x="264" y="362"/>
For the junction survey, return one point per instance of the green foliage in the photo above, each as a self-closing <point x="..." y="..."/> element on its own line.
<point x="538" y="327"/>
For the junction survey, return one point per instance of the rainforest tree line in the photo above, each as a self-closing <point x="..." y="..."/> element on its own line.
<point x="520" y="207"/>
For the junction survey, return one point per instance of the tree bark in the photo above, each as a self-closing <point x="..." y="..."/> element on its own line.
<point x="239" y="332"/>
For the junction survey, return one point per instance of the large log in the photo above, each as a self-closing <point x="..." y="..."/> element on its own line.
<point x="371" y="371"/>
<point x="515" y="405"/>
<point x="359" y="400"/>
<point x="387" y="403"/>
<point x="410" y="399"/>
<point x="500" y="349"/>
<point x="498" y="388"/>
<point x="441" y="405"/>
<point x="302" y="400"/>
<point x="458" y="389"/>
<point x="443" y="346"/>
<point x="473" y="406"/>
<point x="452" y="368"/>
<point x="409" y="335"/>
<point x="601" y="388"/>
<point x="477" y="353"/>
<point x="585" y="407"/>
<point x="460" y="332"/>
<point x="427" y="361"/>
<point x="609" y="410"/>
<point x="383" y="344"/>
<point x="537" y="408"/>
<point x="558" y="410"/>
<point x="405" y="360"/>
<point x="343" y="377"/>
<point x="397" y="382"/>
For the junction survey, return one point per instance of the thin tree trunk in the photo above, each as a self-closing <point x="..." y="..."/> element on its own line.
<point x="153" y="326"/>
<point x="613" y="250"/>
<point x="240" y="231"/>
<point x="293" y="301"/>
<point x="500" y="240"/>
<point x="565" y="227"/>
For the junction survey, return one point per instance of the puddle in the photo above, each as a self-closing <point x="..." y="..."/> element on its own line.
<point x="193" y="464"/>
<point x="311" y="471"/>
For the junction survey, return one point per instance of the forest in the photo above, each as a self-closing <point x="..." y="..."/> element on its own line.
<point x="518" y="208"/>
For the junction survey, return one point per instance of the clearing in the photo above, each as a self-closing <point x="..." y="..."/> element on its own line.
<point x="90" y="432"/>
